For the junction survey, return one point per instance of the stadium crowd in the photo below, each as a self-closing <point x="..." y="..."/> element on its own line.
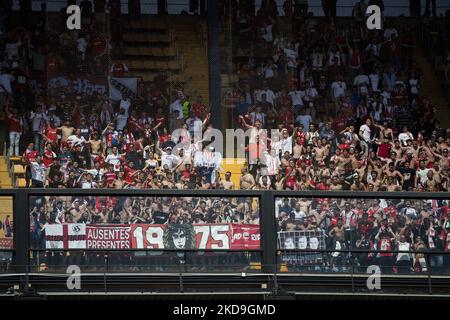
<point x="391" y="233"/>
<point x="347" y="104"/>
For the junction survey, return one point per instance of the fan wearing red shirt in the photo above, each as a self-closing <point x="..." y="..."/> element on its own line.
<point x="199" y="108"/>
<point x="48" y="156"/>
<point x="29" y="156"/>
<point x="98" y="45"/>
<point x="110" y="176"/>
<point x="340" y="123"/>
<point x="285" y="117"/>
<point x="15" y="129"/>
<point x="129" y="172"/>
<point x="52" y="66"/>
<point x="50" y="134"/>
<point x="186" y="173"/>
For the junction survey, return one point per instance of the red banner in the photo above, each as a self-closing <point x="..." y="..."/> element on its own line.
<point x="6" y="243"/>
<point x="108" y="237"/>
<point x="246" y="236"/>
<point x="201" y="236"/>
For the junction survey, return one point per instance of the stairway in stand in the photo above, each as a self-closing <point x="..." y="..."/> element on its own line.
<point x="5" y="178"/>
<point x="190" y="38"/>
<point x="234" y="165"/>
<point x="148" y="48"/>
<point x="432" y="87"/>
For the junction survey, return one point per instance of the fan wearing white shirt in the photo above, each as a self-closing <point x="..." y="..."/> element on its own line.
<point x="304" y="119"/>
<point x="176" y="105"/>
<point x="365" y="134"/>
<point x="362" y="82"/>
<point x="338" y="89"/>
<point x="270" y="95"/>
<point x="292" y="57"/>
<point x="125" y="103"/>
<point x="297" y="99"/>
<point x="405" y="136"/>
<point x="114" y="158"/>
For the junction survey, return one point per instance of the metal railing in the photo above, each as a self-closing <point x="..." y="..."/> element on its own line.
<point x="265" y="261"/>
<point x="176" y="6"/>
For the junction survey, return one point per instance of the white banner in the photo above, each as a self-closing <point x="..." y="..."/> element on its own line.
<point x="119" y="86"/>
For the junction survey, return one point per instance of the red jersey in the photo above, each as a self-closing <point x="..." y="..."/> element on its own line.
<point x="110" y="177"/>
<point x="128" y="174"/>
<point x="199" y="110"/>
<point x="48" y="157"/>
<point x="51" y="134"/>
<point x="323" y="186"/>
<point x="186" y="174"/>
<point x="385" y="247"/>
<point x="30" y="155"/>
<point x="383" y="150"/>
<point x="14" y="123"/>
<point x="52" y="67"/>
<point x="98" y="45"/>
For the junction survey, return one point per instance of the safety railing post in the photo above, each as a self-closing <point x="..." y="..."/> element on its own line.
<point x="430" y="289"/>
<point x="353" y="274"/>
<point x="268" y="231"/>
<point x="180" y="269"/>
<point x="21" y="234"/>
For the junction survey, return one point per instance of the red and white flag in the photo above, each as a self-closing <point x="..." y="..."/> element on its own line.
<point x="65" y="236"/>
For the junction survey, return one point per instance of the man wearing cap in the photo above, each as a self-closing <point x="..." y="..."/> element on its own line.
<point x="168" y="158"/>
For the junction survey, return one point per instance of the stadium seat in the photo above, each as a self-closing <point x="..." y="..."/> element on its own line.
<point x="18" y="169"/>
<point x="21" y="183"/>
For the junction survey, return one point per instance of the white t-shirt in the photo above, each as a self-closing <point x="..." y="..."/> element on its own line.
<point x="272" y="165"/>
<point x="38" y="171"/>
<point x="12" y="50"/>
<point x="360" y="80"/>
<point x="285" y="145"/>
<point x="317" y="60"/>
<point x="125" y="104"/>
<point x="113" y="159"/>
<point x="422" y="174"/>
<point x="305" y="120"/>
<point x="194" y="125"/>
<point x="170" y="159"/>
<point x="374" y="81"/>
<point x="296" y="97"/>
<point x="365" y="132"/>
<point x="38" y="121"/>
<point x="74" y="140"/>
<point x="88" y="185"/>
<point x="310" y="93"/>
<point x="82" y="45"/>
<point x="414" y="84"/>
<point x="270" y="96"/>
<point x="176" y="105"/>
<point x="404" y="137"/>
<point x="122" y="120"/>
<point x="338" y="89"/>
<point x="5" y="81"/>
<point x="292" y="57"/>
